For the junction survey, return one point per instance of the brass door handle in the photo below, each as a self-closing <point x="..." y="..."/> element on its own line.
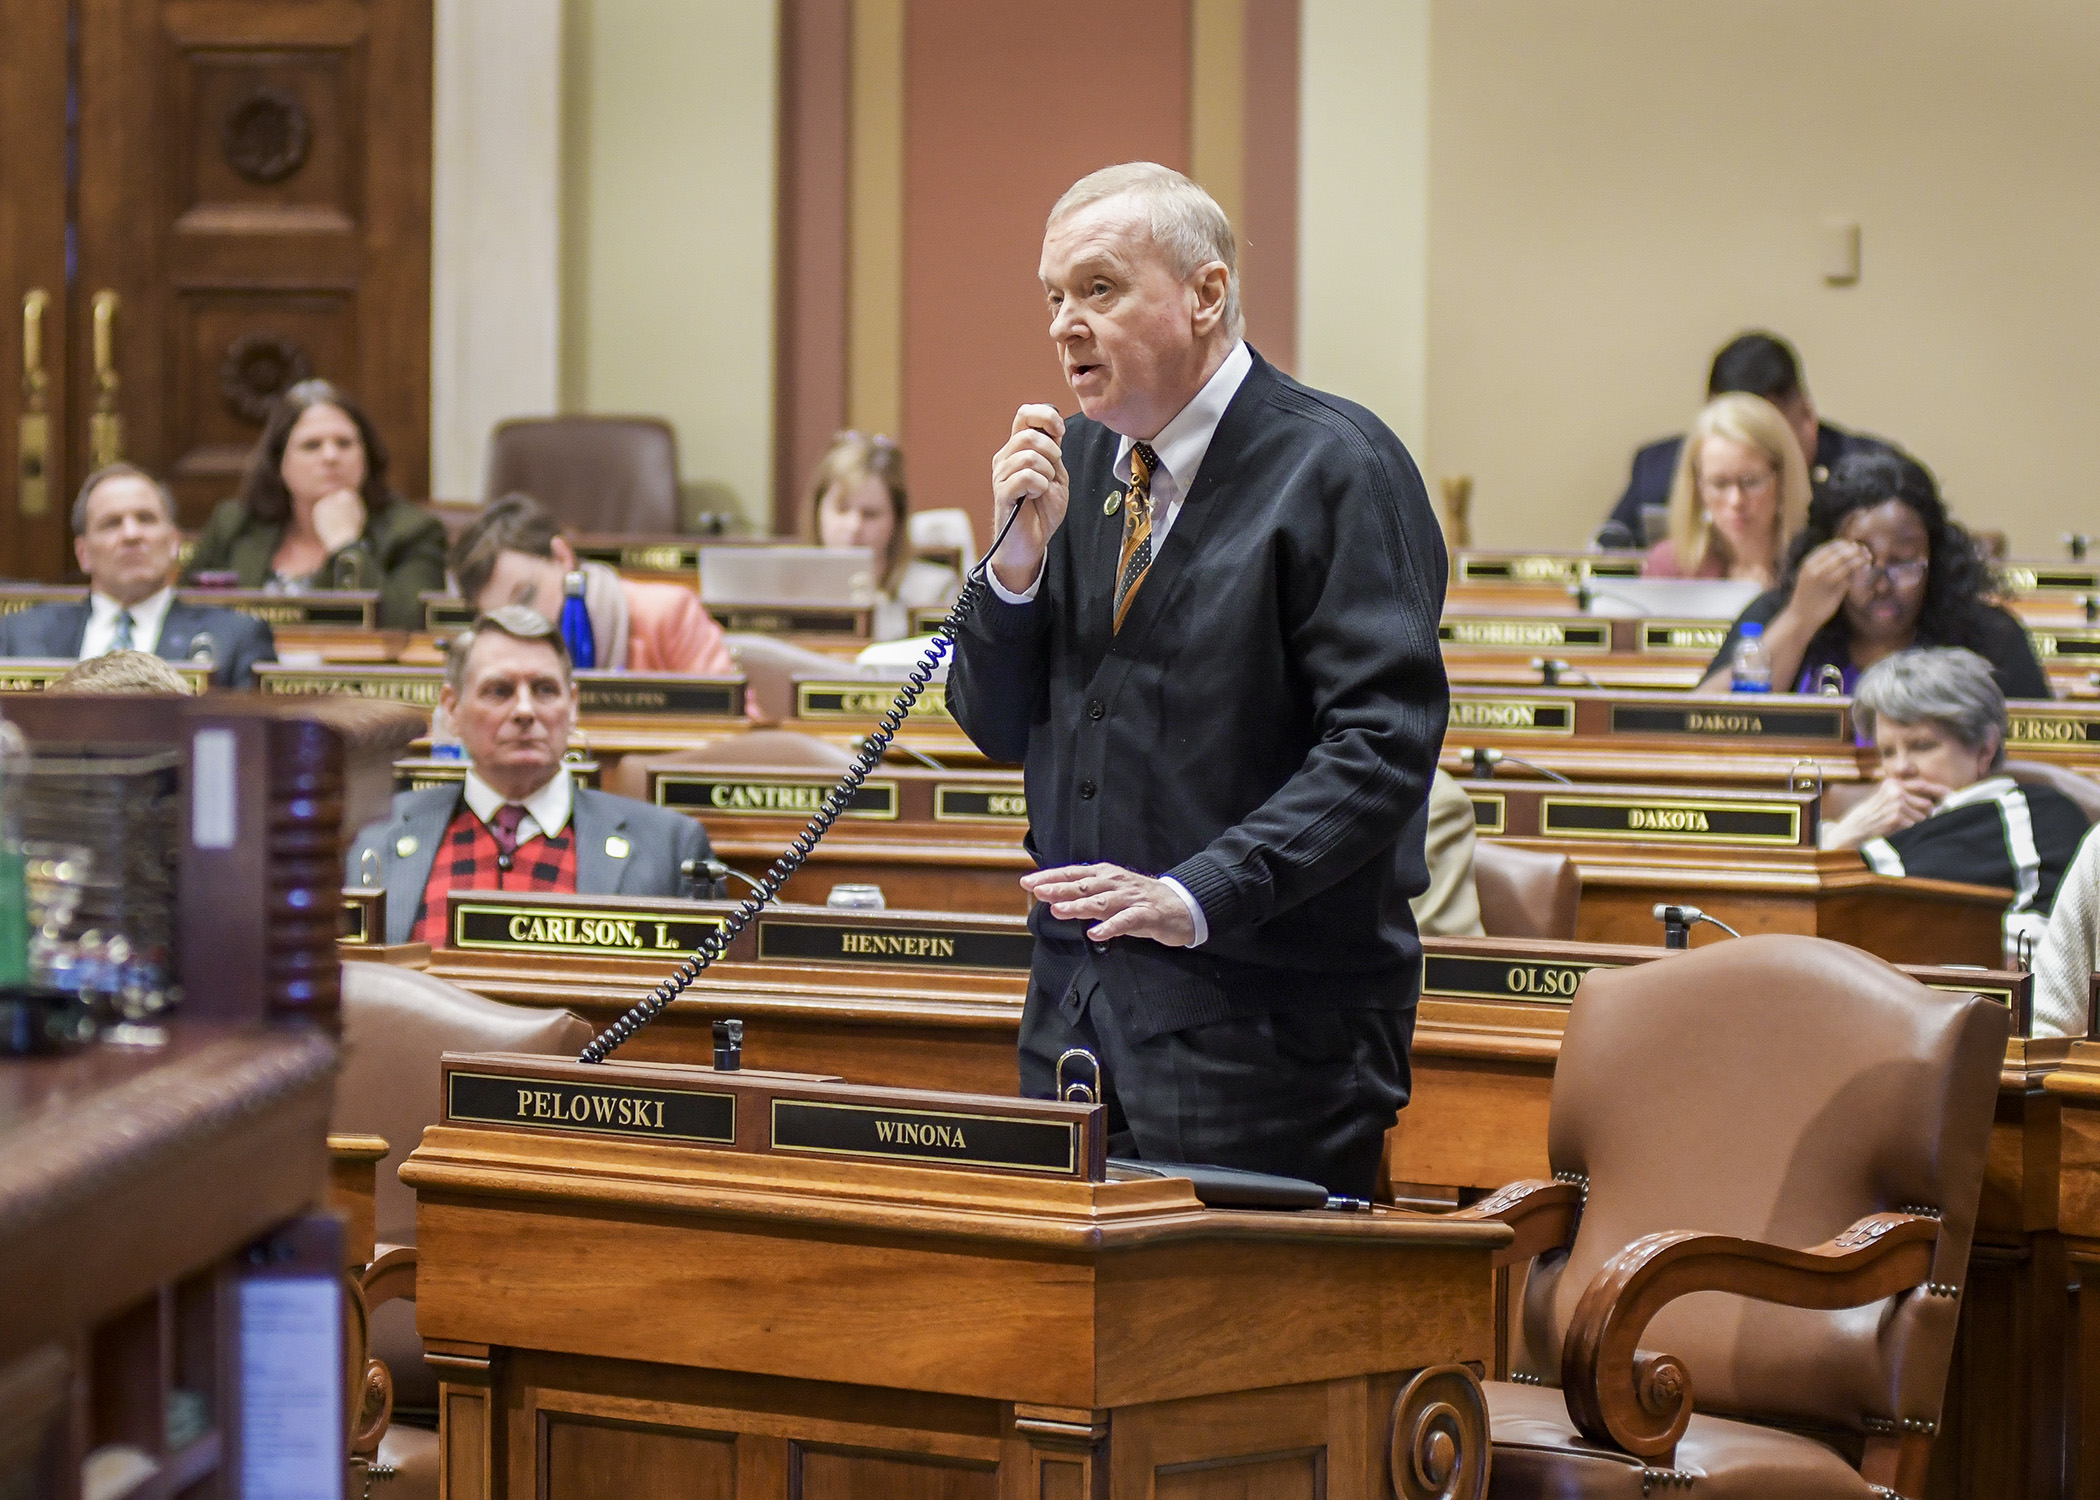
<point x="33" y="431"/>
<point x="106" y="426"/>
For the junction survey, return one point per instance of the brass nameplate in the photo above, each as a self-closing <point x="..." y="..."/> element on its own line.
<point x="2049" y="644"/>
<point x="1519" y="633"/>
<point x="643" y="557"/>
<point x="497" y="926"/>
<point x="2053" y="726"/>
<point x="2025" y="580"/>
<point x="332" y="608"/>
<point x="1454" y="977"/>
<point x="1682" y="637"/>
<point x="889" y="1133"/>
<point x="1725" y="717"/>
<point x="979" y="804"/>
<point x="30" y="676"/>
<point x="14" y="601"/>
<point x="1514" y="715"/>
<point x="2005" y="995"/>
<point x="1490" y="811"/>
<point x="701" y="1115"/>
<point x="1544" y="568"/>
<point x="626" y="693"/>
<point x="803" y="621"/>
<point x="743" y="797"/>
<point x="417" y="685"/>
<point x="1670" y="820"/>
<point x="865" y="700"/>
<point x="355" y="918"/>
<point x="448" y="614"/>
<point x="846" y="942"/>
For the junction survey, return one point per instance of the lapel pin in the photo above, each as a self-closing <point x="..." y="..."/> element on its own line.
<point x="404" y="846"/>
<point x="1112" y="503"/>
<point x="616" y="846"/>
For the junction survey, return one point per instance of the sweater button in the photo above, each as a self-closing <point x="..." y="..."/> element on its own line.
<point x="1086" y="789"/>
<point x="1095" y="710"/>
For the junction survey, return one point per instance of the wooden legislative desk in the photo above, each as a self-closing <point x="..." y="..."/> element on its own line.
<point x="1489" y="645"/>
<point x="1486" y="1038"/>
<point x="637" y="1317"/>
<point x="845" y="708"/>
<point x="2075" y="1089"/>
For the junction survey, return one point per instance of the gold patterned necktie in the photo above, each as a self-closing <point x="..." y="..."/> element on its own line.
<point x="1137" y="529"/>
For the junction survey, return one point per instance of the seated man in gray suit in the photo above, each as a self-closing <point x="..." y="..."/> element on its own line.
<point x="125" y="540"/>
<point x="518" y="823"/>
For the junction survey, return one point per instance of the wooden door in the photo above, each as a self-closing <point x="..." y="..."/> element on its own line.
<point x="247" y="204"/>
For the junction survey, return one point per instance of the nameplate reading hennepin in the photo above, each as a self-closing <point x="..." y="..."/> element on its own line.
<point x="893" y="946"/>
<point x="923" y="1135"/>
<point x="659" y="1114"/>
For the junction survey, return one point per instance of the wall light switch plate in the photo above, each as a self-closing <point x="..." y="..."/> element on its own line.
<point x="1840" y="252"/>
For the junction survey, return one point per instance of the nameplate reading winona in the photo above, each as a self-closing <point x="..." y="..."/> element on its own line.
<point x="865" y="700"/>
<point x="1519" y="633"/>
<point x="750" y="797"/>
<point x="889" y="1133"/>
<point x="1724" y="718"/>
<point x="886" y="946"/>
<point x="979" y="804"/>
<point x="494" y="925"/>
<point x="1514" y="715"/>
<point x="662" y="1114"/>
<point x="1670" y="821"/>
<point x="1455" y="977"/>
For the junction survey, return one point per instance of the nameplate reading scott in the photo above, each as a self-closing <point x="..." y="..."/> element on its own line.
<point x="979" y="804"/>
<point x="893" y="947"/>
<point x="1670" y="821"/>
<point x="1453" y="977"/>
<point x="888" y="1133"/>
<point x="864" y="700"/>
<point x="660" y="1114"/>
<point x="491" y="925"/>
<point x="1520" y="634"/>
<point x="1514" y="715"/>
<point x="1725" y="719"/>
<point x="745" y="797"/>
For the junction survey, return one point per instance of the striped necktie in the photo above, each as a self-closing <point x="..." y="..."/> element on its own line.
<point x="122" y="640"/>
<point x="1136" y="560"/>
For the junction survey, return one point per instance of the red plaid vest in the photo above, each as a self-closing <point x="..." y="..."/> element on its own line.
<point x="466" y="861"/>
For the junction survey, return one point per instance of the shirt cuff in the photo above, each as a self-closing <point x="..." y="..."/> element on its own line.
<point x="1195" y="910"/>
<point x="1027" y="595"/>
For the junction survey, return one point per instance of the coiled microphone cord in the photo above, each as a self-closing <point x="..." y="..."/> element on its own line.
<point x="767" y="890"/>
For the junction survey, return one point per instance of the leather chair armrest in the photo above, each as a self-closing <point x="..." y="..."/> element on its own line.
<point x="1629" y="1398"/>
<point x="1542" y="1213"/>
<point x="391" y="1275"/>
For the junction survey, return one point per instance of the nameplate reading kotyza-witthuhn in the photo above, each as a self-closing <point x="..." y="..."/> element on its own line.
<point x="495" y="926"/>
<point x="419" y="686"/>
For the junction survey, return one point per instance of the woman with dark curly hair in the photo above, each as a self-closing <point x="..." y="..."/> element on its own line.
<point x="315" y="512"/>
<point x="1879" y="568"/>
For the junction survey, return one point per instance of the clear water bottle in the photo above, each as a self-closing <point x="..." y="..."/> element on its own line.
<point x="576" y="631"/>
<point x="1752" y="667"/>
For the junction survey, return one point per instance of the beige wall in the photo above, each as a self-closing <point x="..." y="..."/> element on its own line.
<point x="669" y="125"/>
<point x="1617" y="186"/>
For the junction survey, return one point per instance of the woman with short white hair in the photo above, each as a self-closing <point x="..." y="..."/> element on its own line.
<point x="1945" y="809"/>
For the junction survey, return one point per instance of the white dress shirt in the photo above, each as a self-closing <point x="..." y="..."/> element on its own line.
<point x="1180" y="447"/>
<point x="546" y="810"/>
<point x="147" y="617"/>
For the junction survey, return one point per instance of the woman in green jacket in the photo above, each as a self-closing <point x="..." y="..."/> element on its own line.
<point x="315" y="512"/>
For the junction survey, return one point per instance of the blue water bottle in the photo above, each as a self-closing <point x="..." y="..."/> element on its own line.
<point x="576" y="624"/>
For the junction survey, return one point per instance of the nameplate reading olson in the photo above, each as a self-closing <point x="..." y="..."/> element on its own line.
<point x="1449" y="976"/>
<point x="1726" y="823"/>
<point x="538" y="929"/>
<point x="864" y="700"/>
<point x="1514" y="715"/>
<point x="897" y="947"/>
<point x="1020" y="1145"/>
<point x="743" y="798"/>
<point x="600" y="1109"/>
<point x="1522" y="634"/>
<point x="1725" y="719"/>
<point x="2053" y="727"/>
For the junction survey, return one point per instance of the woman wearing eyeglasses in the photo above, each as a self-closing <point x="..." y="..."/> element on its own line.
<point x="1879" y="568"/>
<point x="1740" y="490"/>
<point x="858" y="499"/>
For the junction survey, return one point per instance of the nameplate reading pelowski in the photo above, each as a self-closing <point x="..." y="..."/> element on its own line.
<point x="1520" y="634"/>
<point x="893" y="947"/>
<point x="1724" y="718"/>
<point x="923" y="1135"/>
<point x="700" y="1115"/>
<point x="495" y="925"/>
<point x="1670" y="821"/>
<point x="1452" y="977"/>
<point x="865" y="700"/>
<point x="750" y="797"/>
<point x="1514" y="715"/>
<point x="979" y="804"/>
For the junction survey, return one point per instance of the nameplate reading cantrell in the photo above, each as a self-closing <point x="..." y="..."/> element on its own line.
<point x="745" y="797"/>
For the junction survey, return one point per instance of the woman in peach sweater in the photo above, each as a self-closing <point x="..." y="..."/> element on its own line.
<point x="514" y="553"/>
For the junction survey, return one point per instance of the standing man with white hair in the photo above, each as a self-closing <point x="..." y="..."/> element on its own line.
<point x="1212" y="640"/>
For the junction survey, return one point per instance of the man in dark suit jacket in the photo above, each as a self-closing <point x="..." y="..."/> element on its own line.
<point x="125" y="540"/>
<point x="1212" y="639"/>
<point x="516" y="821"/>
<point x="1757" y="364"/>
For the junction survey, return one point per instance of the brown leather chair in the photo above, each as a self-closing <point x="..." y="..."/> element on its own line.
<point x="2080" y="788"/>
<point x="1741" y="1136"/>
<point x="758" y="749"/>
<point x="396" y="1023"/>
<point x="1525" y="892"/>
<point x="604" y="474"/>
<point x="770" y="668"/>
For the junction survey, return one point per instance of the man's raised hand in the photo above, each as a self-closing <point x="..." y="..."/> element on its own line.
<point x="1030" y="472"/>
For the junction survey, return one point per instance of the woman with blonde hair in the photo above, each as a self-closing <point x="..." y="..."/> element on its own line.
<point x="857" y="499"/>
<point x="1740" y="491"/>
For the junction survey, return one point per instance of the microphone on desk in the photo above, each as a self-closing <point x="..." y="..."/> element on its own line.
<point x="203" y="648"/>
<point x="1482" y="763"/>
<point x="713" y="869"/>
<point x="1678" y="922"/>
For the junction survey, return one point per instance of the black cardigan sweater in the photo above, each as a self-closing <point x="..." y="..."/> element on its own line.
<point x="1264" y="726"/>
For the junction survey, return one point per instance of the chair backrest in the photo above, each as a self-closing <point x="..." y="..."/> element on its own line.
<point x="2081" y="789"/>
<point x="1778" y="1088"/>
<point x="1525" y="892"/>
<point x="756" y="750"/>
<point x="606" y="474"/>
<point x="770" y="668"/>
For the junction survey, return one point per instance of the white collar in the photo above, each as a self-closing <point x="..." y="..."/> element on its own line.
<point x="1182" y="443"/>
<point x="1990" y="789"/>
<point x="147" y="616"/>
<point x="549" y="806"/>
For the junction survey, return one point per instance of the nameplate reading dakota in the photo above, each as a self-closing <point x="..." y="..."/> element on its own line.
<point x="980" y="804"/>
<point x="916" y="1135"/>
<point x="1514" y="715"/>
<point x="538" y="929"/>
<point x="864" y="700"/>
<point x="893" y="947"/>
<point x="1450" y="976"/>
<point x="1523" y="634"/>
<point x="1724" y="718"/>
<point x="598" y="1109"/>
<point x="1724" y="823"/>
<point x="739" y="797"/>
